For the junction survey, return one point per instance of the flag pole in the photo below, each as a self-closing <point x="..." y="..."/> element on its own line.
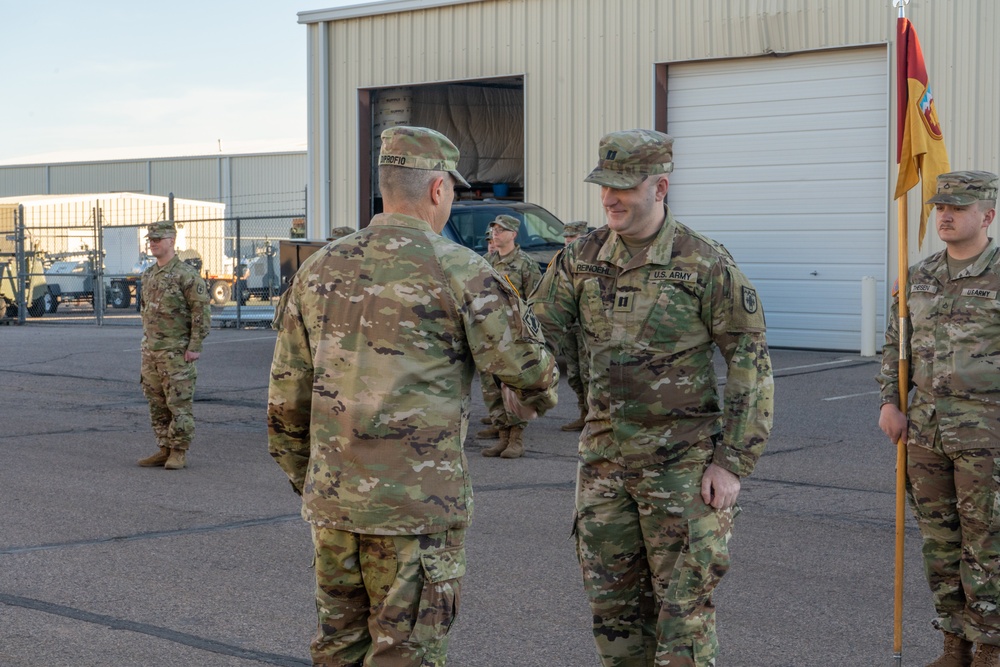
<point x="904" y="384"/>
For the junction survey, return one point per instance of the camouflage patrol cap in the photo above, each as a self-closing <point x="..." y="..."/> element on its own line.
<point x="161" y="230"/>
<point x="625" y="159"/>
<point x="576" y="228"/>
<point x="339" y="233"/>
<point x="962" y="188"/>
<point x="420" y="148"/>
<point x="507" y="222"/>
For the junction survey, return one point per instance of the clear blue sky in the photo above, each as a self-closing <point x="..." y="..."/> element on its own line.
<point x="82" y="75"/>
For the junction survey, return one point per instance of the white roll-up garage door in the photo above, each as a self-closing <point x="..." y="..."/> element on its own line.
<point x="785" y="162"/>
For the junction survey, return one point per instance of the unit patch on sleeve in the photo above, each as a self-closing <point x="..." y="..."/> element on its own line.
<point x="750" y="303"/>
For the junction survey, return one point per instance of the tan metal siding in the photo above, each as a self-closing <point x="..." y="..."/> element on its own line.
<point x="588" y="68"/>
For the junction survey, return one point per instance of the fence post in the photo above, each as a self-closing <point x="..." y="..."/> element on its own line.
<point x="23" y="279"/>
<point x="237" y="289"/>
<point x="98" y="264"/>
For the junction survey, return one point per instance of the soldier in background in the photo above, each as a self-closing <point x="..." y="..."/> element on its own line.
<point x="661" y="455"/>
<point x="572" y="346"/>
<point x="340" y="232"/>
<point x="523" y="274"/>
<point x="368" y="408"/>
<point x="952" y="426"/>
<point x="175" y="320"/>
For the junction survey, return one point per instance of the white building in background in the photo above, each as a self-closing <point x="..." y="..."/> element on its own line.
<point x="783" y="113"/>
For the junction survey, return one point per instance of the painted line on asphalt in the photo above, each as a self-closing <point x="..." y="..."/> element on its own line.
<point x="200" y="643"/>
<point x="816" y="365"/>
<point x="214" y="342"/>
<point x="840" y="398"/>
<point x="152" y="535"/>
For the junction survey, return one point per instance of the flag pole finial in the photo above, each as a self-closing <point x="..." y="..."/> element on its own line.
<point x="901" y="5"/>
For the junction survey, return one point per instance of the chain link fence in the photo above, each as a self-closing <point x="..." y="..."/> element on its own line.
<point x="80" y="258"/>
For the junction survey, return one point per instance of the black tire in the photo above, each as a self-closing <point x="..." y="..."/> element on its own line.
<point x="52" y="305"/>
<point x="119" y="297"/>
<point x="221" y="292"/>
<point x="41" y="305"/>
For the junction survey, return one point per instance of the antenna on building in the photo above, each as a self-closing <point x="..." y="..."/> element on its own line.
<point x="220" y="145"/>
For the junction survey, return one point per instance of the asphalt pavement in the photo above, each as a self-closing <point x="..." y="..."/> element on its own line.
<point x="104" y="563"/>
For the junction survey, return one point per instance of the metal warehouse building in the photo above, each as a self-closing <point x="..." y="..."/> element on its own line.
<point x="249" y="184"/>
<point x="783" y="113"/>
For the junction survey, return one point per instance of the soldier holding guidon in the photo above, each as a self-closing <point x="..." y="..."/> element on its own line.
<point x="952" y="425"/>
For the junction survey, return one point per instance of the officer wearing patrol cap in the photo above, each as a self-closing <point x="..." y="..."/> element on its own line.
<point x="368" y="407"/>
<point x="661" y="455"/>
<point x="523" y="274"/>
<point x="952" y="425"/>
<point x="175" y="320"/>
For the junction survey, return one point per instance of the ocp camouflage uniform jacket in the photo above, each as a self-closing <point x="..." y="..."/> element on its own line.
<point x="649" y="323"/>
<point x="175" y="307"/>
<point x="954" y="353"/>
<point x="518" y="265"/>
<point x="369" y="397"/>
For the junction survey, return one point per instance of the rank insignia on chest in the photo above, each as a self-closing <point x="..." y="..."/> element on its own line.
<point x="624" y="302"/>
<point x="749" y="299"/>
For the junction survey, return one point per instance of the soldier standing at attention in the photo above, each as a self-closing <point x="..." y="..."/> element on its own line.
<point x="661" y="457"/>
<point x="522" y="272"/>
<point x="368" y="408"/>
<point x="572" y="346"/>
<point x="175" y="320"/>
<point x="952" y="425"/>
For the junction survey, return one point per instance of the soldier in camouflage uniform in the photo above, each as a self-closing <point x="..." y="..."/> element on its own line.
<point x="661" y="455"/>
<point x="368" y="408"/>
<point x="523" y="274"/>
<point x="175" y="320"/>
<point x="572" y="346"/>
<point x="952" y="426"/>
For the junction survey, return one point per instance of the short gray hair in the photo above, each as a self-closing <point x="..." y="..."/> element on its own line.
<point x="406" y="183"/>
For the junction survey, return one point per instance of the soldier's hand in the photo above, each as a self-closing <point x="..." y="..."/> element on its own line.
<point x="190" y="356"/>
<point x="719" y="487"/>
<point x="514" y="405"/>
<point x="893" y="422"/>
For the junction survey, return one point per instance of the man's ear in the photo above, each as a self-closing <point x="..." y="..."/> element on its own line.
<point x="662" y="185"/>
<point x="437" y="190"/>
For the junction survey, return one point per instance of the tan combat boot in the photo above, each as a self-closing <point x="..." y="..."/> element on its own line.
<point x="176" y="460"/>
<point x="515" y="444"/>
<point x="987" y="655"/>
<point x="485" y="420"/>
<point x="576" y="425"/>
<point x="488" y="433"/>
<point x="496" y="449"/>
<point x="957" y="652"/>
<point x="157" y="459"/>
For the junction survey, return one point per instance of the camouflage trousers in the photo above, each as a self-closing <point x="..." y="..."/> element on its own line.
<point x="956" y="500"/>
<point x="386" y="600"/>
<point x="168" y="384"/>
<point x="494" y="403"/>
<point x="652" y="552"/>
<point x="577" y="366"/>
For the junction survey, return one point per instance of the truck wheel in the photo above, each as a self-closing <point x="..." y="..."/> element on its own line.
<point x="221" y="291"/>
<point x="41" y="305"/>
<point x="52" y="305"/>
<point x="120" y="297"/>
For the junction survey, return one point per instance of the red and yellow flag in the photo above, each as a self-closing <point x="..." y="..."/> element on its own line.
<point x="920" y="149"/>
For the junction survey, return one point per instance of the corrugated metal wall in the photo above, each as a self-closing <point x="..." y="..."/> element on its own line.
<point x="249" y="185"/>
<point x="589" y="68"/>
